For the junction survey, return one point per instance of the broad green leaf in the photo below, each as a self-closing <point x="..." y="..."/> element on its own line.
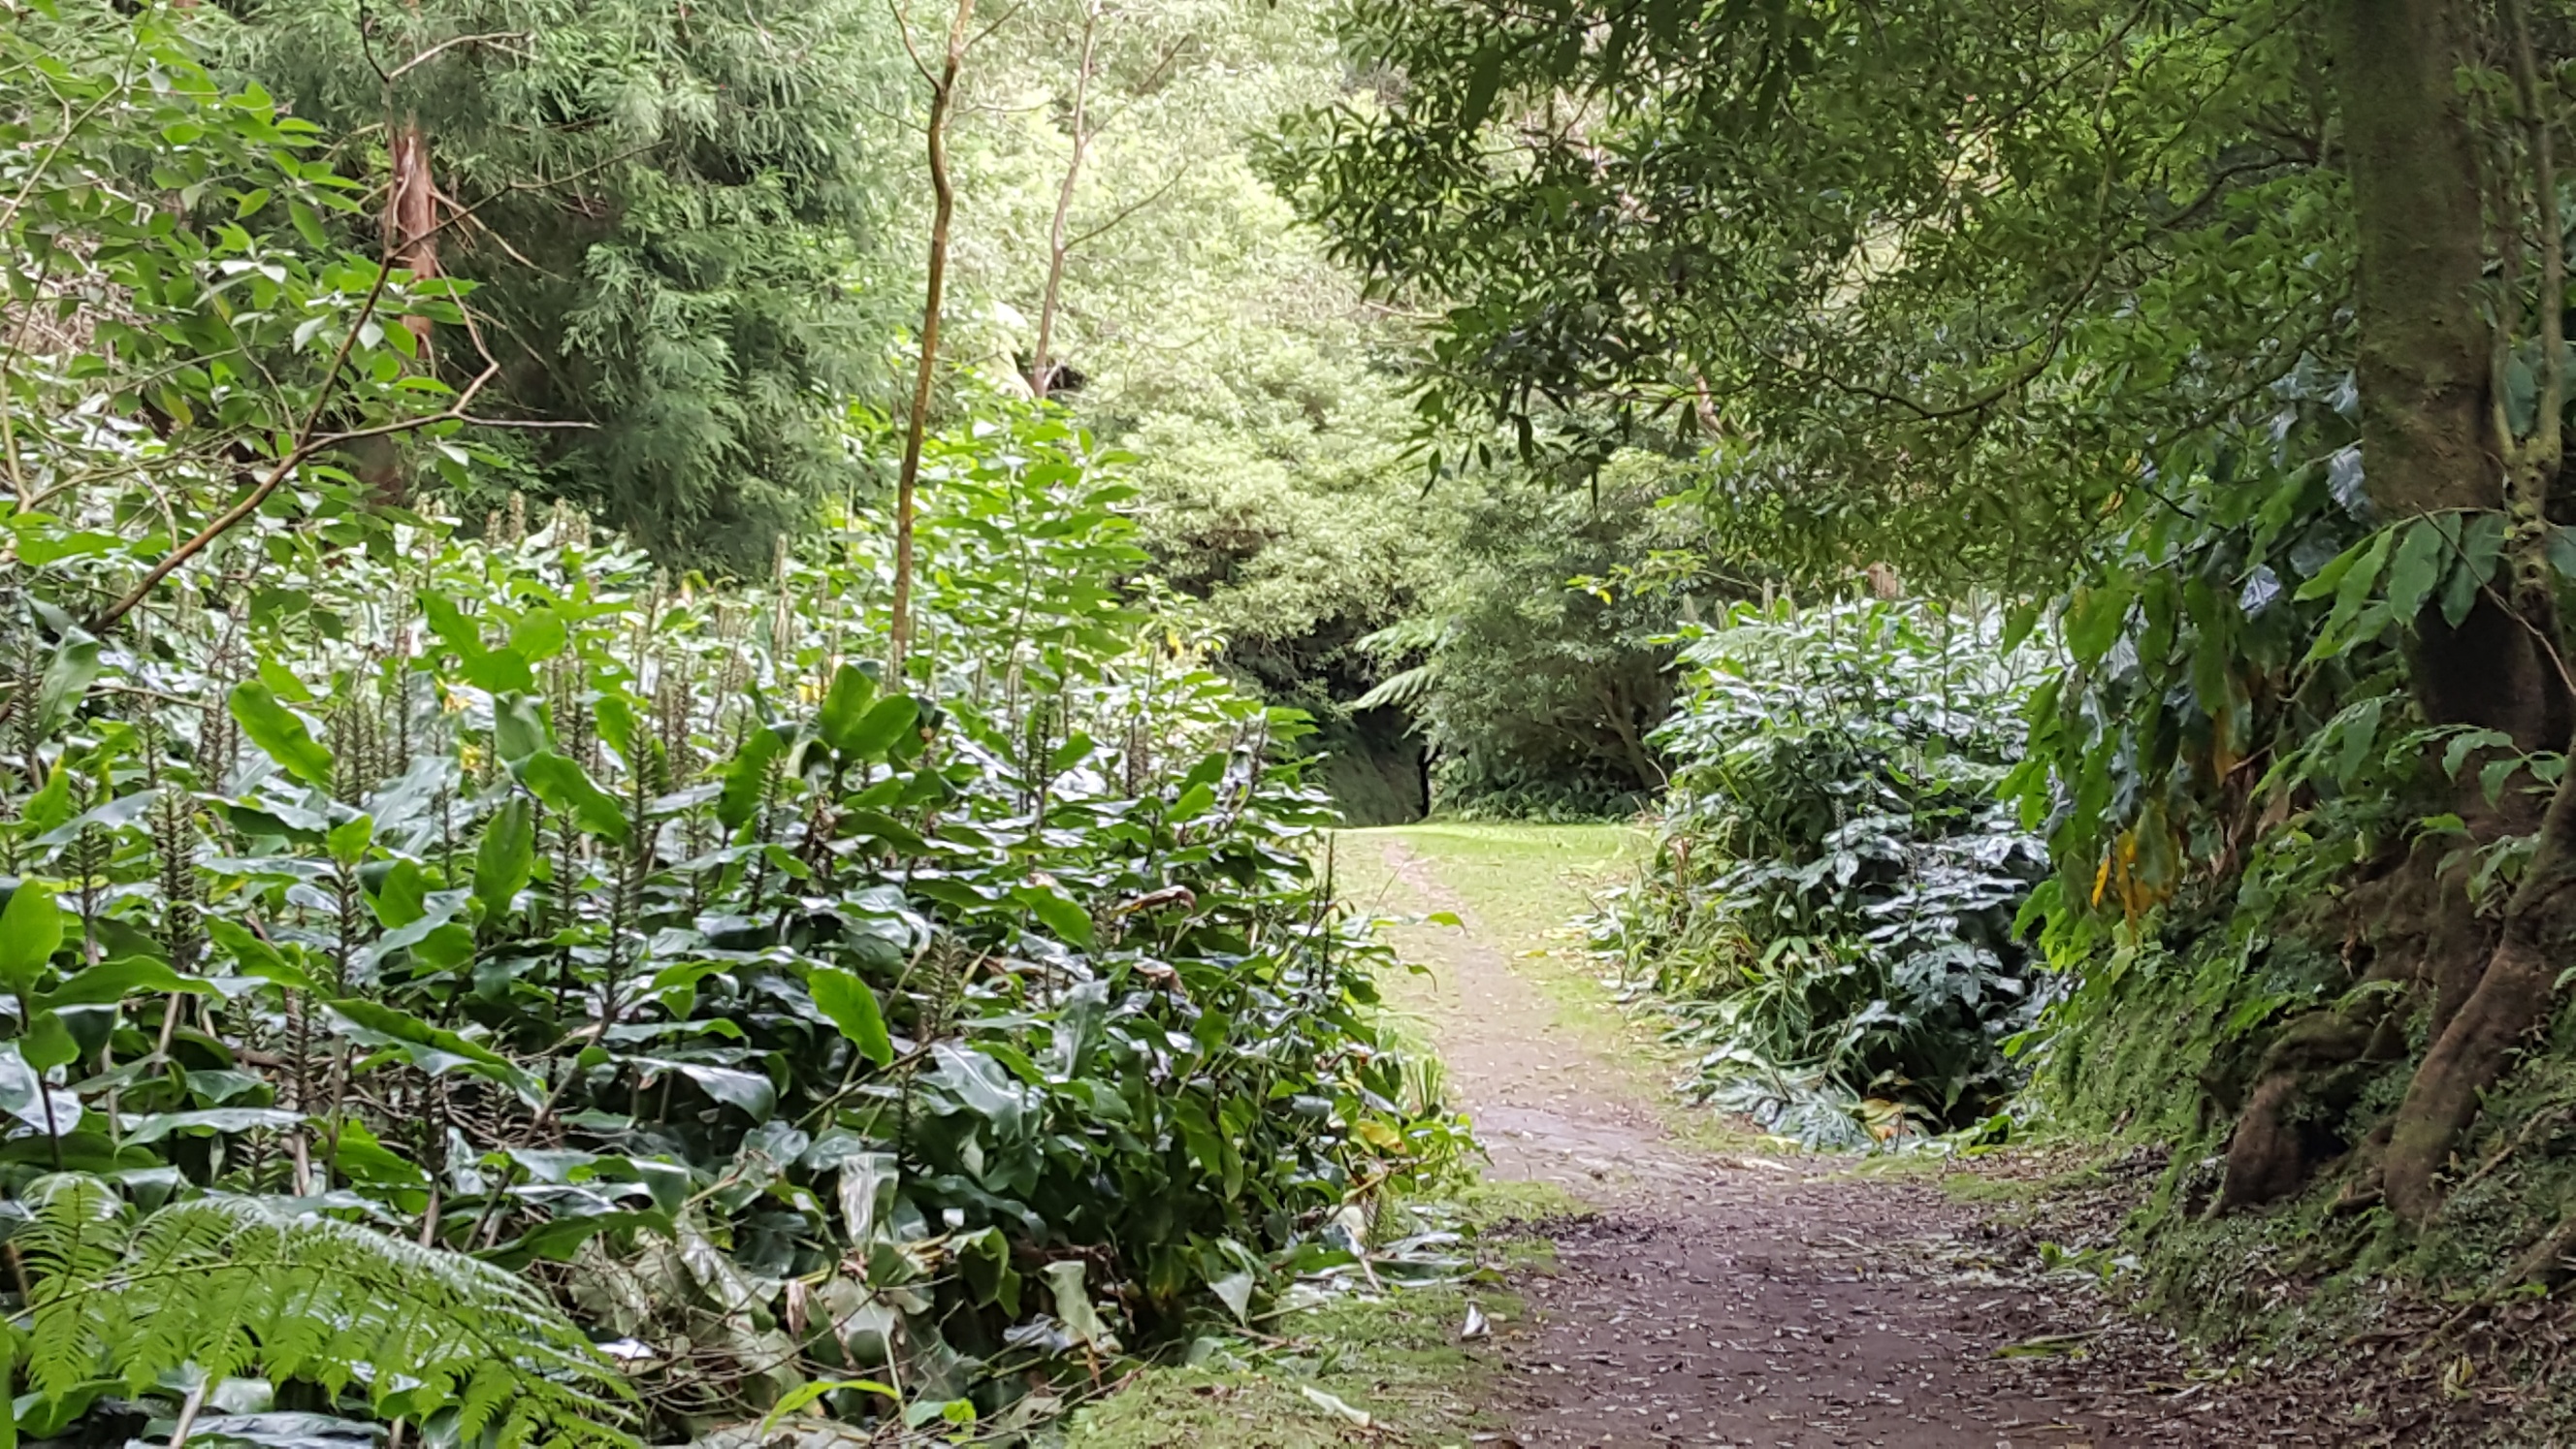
<point x="746" y="779"/>
<point x="567" y="787"/>
<point x="24" y="1095"/>
<point x="519" y="729"/>
<point x="1062" y="915"/>
<point x="878" y="825"/>
<point x="255" y="956"/>
<point x="875" y="736"/>
<point x="2457" y="752"/>
<point x="67" y="679"/>
<point x="844" y="707"/>
<point x="852" y="1008"/>
<point x="806" y="1393"/>
<point x="433" y="1049"/>
<point x="2093" y="617"/>
<point x="1073" y="1306"/>
<point x="539" y="635"/>
<point x="48" y="1044"/>
<point x="146" y="1130"/>
<point x="31" y="930"/>
<point x="2415" y="569"/>
<point x="279" y="733"/>
<point x="116" y="980"/>
<point x="505" y="858"/>
<point x="348" y="840"/>
<point x="984" y="1261"/>
<point x="2019" y="621"/>
<point x="401" y="896"/>
<point x="2481" y="545"/>
<point x="51" y="807"/>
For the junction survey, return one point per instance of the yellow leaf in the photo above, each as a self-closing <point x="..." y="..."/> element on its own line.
<point x="1379" y="1135"/>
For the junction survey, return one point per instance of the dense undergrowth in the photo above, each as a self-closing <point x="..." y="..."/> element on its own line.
<point x="1828" y="909"/>
<point x="473" y="981"/>
<point x="506" y="898"/>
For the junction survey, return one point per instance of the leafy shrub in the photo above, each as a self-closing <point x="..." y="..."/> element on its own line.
<point x="513" y="898"/>
<point x="1830" y="901"/>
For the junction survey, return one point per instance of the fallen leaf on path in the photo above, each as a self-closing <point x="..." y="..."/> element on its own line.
<point x="1333" y="1404"/>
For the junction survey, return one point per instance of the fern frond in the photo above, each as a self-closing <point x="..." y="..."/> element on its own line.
<point x="232" y="1282"/>
<point x="1399" y="689"/>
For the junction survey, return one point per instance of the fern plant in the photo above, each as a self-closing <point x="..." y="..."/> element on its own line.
<point x="225" y="1286"/>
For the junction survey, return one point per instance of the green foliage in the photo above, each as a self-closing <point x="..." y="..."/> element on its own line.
<point x="183" y="338"/>
<point x="1831" y="896"/>
<point x="215" y="1288"/>
<point x="675" y="211"/>
<point x="757" y="998"/>
<point x="1533" y="681"/>
<point x="1915" y="285"/>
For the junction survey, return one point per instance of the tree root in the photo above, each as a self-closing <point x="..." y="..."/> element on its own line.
<point x="2512" y="998"/>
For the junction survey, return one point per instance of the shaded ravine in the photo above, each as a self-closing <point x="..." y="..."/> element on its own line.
<point x="1716" y="1297"/>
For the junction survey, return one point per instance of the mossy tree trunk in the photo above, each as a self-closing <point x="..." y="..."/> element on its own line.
<point x="2433" y="442"/>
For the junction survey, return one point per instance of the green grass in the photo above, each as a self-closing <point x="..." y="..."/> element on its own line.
<point x="1396" y="1360"/>
<point x="1524" y="887"/>
<point x="1394" y="1357"/>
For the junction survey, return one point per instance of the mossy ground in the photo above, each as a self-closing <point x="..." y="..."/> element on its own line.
<point x="2148" y="1063"/>
<point x="1395" y="1357"/>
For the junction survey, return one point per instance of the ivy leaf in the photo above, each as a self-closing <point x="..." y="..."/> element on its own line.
<point x="853" y="1009"/>
<point x="280" y="732"/>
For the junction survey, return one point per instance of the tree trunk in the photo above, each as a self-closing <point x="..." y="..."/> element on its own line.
<point x="943" y="89"/>
<point x="2435" y="441"/>
<point x="1059" y="243"/>
<point x="2431" y="443"/>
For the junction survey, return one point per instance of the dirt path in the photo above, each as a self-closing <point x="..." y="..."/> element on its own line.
<point x="1727" y="1297"/>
